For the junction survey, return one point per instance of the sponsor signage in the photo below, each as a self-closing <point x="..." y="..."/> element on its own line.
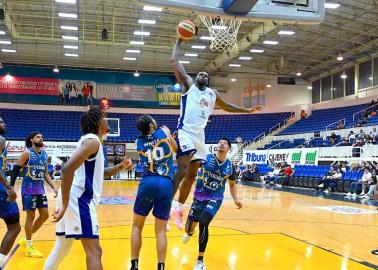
<point x="28" y="86"/>
<point x="57" y="149"/>
<point x="304" y="156"/>
<point x="115" y="149"/>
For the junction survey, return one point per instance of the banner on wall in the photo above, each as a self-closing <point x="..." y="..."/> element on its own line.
<point x="28" y="86"/>
<point x="79" y="85"/>
<point x="125" y="92"/>
<point x="254" y="92"/>
<point x="168" y="92"/>
<point x="115" y="149"/>
<point x="303" y="156"/>
<point x="57" y="149"/>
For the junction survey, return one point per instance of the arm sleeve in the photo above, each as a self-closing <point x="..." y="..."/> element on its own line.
<point x="15" y="174"/>
<point x="232" y="177"/>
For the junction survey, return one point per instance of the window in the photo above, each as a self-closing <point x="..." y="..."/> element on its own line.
<point x="326" y="88"/>
<point x="349" y="82"/>
<point x="375" y="70"/>
<point x="338" y="85"/>
<point x="365" y="75"/>
<point x="316" y="92"/>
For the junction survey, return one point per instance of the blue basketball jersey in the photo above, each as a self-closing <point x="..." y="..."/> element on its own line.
<point x="155" y="154"/>
<point x="211" y="179"/>
<point x="34" y="173"/>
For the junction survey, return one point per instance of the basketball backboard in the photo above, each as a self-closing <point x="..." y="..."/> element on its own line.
<point x="290" y="11"/>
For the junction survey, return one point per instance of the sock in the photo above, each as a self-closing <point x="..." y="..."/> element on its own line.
<point x="2" y="259"/>
<point x="134" y="264"/>
<point x="180" y="205"/>
<point x="161" y="266"/>
<point x="200" y="258"/>
<point x="60" y="250"/>
<point x="29" y="243"/>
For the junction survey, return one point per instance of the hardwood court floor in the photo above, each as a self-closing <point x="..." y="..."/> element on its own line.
<point x="274" y="230"/>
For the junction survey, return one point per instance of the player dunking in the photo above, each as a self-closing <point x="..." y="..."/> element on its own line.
<point x="33" y="163"/>
<point x="197" y="104"/>
<point x="8" y="207"/>
<point x="155" y="147"/>
<point x="81" y="187"/>
<point x="208" y="196"/>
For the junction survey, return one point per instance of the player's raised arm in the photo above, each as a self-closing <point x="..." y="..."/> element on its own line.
<point x="228" y="107"/>
<point x="172" y="141"/>
<point x="184" y="79"/>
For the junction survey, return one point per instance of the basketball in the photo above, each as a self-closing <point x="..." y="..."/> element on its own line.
<point x="186" y="30"/>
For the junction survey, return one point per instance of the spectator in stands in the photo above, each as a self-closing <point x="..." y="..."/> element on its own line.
<point x="91" y="94"/>
<point x="66" y="93"/>
<point x="351" y="135"/>
<point x="369" y="187"/>
<point x="288" y="171"/>
<point x="332" y="179"/>
<point x="361" y="135"/>
<point x="56" y="171"/>
<point x="345" y="142"/>
<point x="303" y="115"/>
<point x="330" y="175"/>
<point x="333" y="138"/>
<point x="372" y="103"/>
<point x="373" y="112"/>
<point x="340" y="125"/>
<point x="354" y="186"/>
<point x="250" y="173"/>
<point x="373" y="134"/>
<point x="274" y="176"/>
<point x="86" y="94"/>
<point x="72" y="94"/>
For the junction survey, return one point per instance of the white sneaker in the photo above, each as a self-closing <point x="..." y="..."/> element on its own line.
<point x="199" y="266"/>
<point x="186" y="238"/>
<point x="354" y="195"/>
<point x="362" y="193"/>
<point x="278" y="185"/>
<point x="348" y="194"/>
<point x="326" y="191"/>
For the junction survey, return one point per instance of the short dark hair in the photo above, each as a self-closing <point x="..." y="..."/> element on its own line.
<point x="227" y="140"/>
<point x="28" y="142"/>
<point x="90" y="120"/>
<point x="143" y="124"/>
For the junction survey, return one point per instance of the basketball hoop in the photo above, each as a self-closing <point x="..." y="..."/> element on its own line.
<point x="223" y="33"/>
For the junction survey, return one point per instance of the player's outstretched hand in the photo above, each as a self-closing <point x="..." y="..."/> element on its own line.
<point x="127" y="164"/>
<point x="255" y="109"/>
<point x="238" y="204"/>
<point x="12" y="195"/>
<point x="58" y="214"/>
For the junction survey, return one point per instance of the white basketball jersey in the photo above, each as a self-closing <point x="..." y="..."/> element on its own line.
<point x="88" y="179"/>
<point x="196" y="108"/>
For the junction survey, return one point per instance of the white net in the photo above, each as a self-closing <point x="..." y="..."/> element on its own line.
<point x="223" y="33"/>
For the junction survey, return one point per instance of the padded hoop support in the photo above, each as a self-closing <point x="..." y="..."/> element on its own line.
<point x="238" y="7"/>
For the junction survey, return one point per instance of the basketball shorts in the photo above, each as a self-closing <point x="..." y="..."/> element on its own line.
<point x="198" y="207"/>
<point x="7" y="208"/>
<point x="32" y="202"/>
<point x="80" y="219"/>
<point x="191" y="144"/>
<point x="154" y="192"/>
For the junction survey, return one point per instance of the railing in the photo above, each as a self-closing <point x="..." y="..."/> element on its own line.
<point x="359" y="112"/>
<point x="336" y="123"/>
<point x="274" y="127"/>
<point x="278" y="144"/>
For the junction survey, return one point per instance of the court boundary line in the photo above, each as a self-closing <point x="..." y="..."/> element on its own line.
<point x="9" y="257"/>
<point x="364" y="263"/>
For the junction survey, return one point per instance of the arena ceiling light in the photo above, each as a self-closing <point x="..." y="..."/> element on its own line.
<point x="286" y="32"/>
<point x="299" y="74"/>
<point x="269" y="85"/>
<point x="150" y="8"/>
<point x="56" y="69"/>
<point x="146" y="21"/>
<point x="70" y="38"/>
<point x="199" y="47"/>
<point x="191" y="54"/>
<point x="67" y="15"/>
<point x="343" y="76"/>
<point x="2" y="32"/>
<point x="206" y="38"/>
<point x="141" y="33"/>
<point x="66" y="27"/>
<point x="245" y="58"/>
<point x="270" y="42"/>
<point x="71" y="55"/>
<point x="133" y="42"/>
<point x="8" y="50"/>
<point x="184" y="62"/>
<point x="66" y="1"/>
<point x="332" y="5"/>
<point x="129" y="58"/>
<point x="309" y="87"/>
<point x="132" y="51"/>
<point x="234" y="65"/>
<point x="340" y="58"/>
<point x="233" y="79"/>
<point x="8" y="42"/>
<point x="136" y="74"/>
<point x="256" y="51"/>
<point x="72" y="47"/>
